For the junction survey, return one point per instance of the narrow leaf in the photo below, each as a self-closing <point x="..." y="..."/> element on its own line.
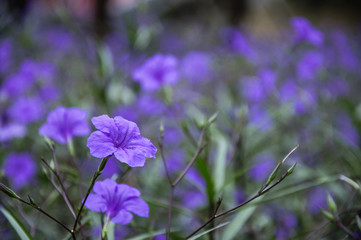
<point x="16" y="224"/>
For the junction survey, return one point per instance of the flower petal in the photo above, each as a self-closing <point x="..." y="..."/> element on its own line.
<point x="137" y="206"/>
<point x="100" y="145"/>
<point x="96" y="203"/>
<point x="143" y="146"/>
<point x="123" y="217"/>
<point x="130" y="157"/>
<point x="103" y="123"/>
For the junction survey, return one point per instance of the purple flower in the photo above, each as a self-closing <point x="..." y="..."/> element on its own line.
<point x="62" y="124"/>
<point x="5" y="54"/>
<point x="20" y="168"/>
<point x="44" y="72"/>
<point x="10" y="130"/>
<point x="268" y="78"/>
<point x="288" y="91"/>
<point x="309" y="65"/>
<point x="344" y="54"/>
<point x="157" y="71"/>
<point x="122" y="138"/>
<point x="305" y="32"/>
<point x="253" y="90"/>
<point x="347" y="131"/>
<point x="237" y="42"/>
<point x="117" y="201"/>
<point x="260" y="118"/>
<point x="336" y="87"/>
<point x="196" y="67"/>
<point x="317" y="198"/>
<point x="264" y="166"/>
<point x="17" y="85"/>
<point x="27" y="110"/>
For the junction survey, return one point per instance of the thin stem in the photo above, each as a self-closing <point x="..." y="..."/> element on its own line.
<point x="95" y="176"/>
<point x="63" y="191"/>
<point x="184" y="172"/>
<point x="48" y="215"/>
<point x="198" y="151"/>
<point x="238" y="206"/>
<point x="160" y="144"/>
<point x="345" y="229"/>
<point x="170" y="211"/>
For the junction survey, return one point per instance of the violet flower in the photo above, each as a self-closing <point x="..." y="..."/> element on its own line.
<point x="116" y="201"/>
<point x="265" y="163"/>
<point x="20" y="168"/>
<point x="305" y="32"/>
<point x="122" y="138"/>
<point x="62" y="124"/>
<point x="196" y="67"/>
<point x="309" y="65"/>
<point x="27" y="110"/>
<point x="157" y="71"/>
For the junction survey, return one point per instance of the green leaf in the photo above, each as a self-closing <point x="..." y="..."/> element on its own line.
<point x="16" y="224"/>
<point x="237" y="223"/>
<point x="358" y="219"/>
<point x="219" y="171"/>
<point x="208" y="231"/>
<point x="8" y="191"/>
<point x="331" y="203"/>
<point x="290" y="170"/>
<point x="328" y="215"/>
<point x="110" y="232"/>
<point x="350" y="181"/>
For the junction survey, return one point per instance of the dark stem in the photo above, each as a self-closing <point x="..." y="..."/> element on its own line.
<point x="238" y="206"/>
<point x="63" y="191"/>
<point x="48" y="215"/>
<point x="95" y="176"/>
<point x="198" y="151"/>
<point x="200" y="147"/>
<point x="170" y="211"/>
<point x="344" y="228"/>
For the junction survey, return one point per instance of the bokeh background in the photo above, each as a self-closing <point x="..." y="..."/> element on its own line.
<point x="279" y="73"/>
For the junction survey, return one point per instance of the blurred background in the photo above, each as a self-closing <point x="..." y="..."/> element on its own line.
<point x="279" y="73"/>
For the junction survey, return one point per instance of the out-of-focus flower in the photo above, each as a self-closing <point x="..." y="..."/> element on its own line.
<point x="336" y="87"/>
<point x="20" y="168"/>
<point x="286" y="223"/>
<point x="42" y="72"/>
<point x="305" y="101"/>
<point x="305" y="32"/>
<point x="11" y="130"/>
<point x="63" y="124"/>
<point x="5" y="55"/>
<point x="117" y="201"/>
<point x="237" y="42"/>
<point x="265" y="163"/>
<point x="344" y="54"/>
<point x="268" y="79"/>
<point x="252" y="90"/>
<point x="26" y="110"/>
<point x="122" y="138"/>
<point x="309" y="65"/>
<point x="317" y="198"/>
<point x="157" y="71"/>
<point x="259" y="118"/>
<point x="288" y="91"/>
<point x="17" y="85"/>
<point x="196" y="67"/>
<point x="347" y="130"/>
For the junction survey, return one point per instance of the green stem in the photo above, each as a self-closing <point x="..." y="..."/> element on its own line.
<point x="95" y="176"/>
